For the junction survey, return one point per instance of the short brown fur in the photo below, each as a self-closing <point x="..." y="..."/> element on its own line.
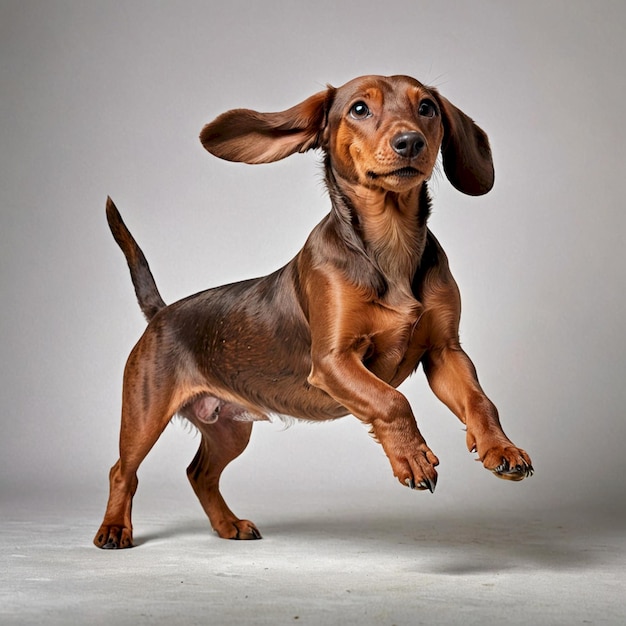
<point x="367" y="299"/>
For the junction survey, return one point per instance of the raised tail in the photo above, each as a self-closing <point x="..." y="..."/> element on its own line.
<point x="148" y="295"/>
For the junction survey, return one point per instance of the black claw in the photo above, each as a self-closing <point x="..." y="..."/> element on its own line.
<point x="110" y="545"/>
<point x="521" y="468"/>
<point x="503" y="468"/>
<point x="429" y="484"/>
<point x="410" y="483"/>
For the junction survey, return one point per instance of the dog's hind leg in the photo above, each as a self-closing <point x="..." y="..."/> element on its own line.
<point x="222" y="441"/>
<point x="148" y="404"/>
<point x="116" y="530"/>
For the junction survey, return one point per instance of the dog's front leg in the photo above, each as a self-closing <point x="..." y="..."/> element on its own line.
<point x="452" y="376"/>
<point x="344" y="377"/>
<point x="342" y="325"/>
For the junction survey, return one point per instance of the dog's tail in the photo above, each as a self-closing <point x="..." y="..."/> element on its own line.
<point x="148" y="295"/>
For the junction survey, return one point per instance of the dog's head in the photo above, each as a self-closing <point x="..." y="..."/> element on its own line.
<point x="379" y="132"/>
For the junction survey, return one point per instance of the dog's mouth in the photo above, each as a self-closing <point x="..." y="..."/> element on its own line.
<point x="403" y="172"/>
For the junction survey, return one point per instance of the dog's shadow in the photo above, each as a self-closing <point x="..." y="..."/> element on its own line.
<point x="450" y="544"/>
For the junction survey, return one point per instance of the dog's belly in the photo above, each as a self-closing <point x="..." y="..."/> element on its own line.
<point x="249" y="343"/>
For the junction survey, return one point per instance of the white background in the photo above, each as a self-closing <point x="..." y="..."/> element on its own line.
<point x="103" y="98"/>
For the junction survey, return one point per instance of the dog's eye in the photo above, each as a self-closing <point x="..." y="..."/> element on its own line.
<point x="359" y="111"/>
<point x="427" y="109"/>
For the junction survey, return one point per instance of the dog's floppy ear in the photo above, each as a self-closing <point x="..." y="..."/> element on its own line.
<point x="253" y="137"/>
<point x="465" y="151"/>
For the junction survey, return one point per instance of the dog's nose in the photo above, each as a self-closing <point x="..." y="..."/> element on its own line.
<point x="408" y="144"/>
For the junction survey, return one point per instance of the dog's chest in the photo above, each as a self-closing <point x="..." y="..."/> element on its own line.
<point x="392" y="349"/>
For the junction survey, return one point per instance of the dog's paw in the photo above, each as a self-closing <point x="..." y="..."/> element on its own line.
<point x="114" y="537"/>
<point x="241" y="529"/>
<point x="417" y="471"/>
<point x="508" y="462"/>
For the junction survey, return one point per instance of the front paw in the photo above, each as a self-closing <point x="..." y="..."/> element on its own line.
<point x="508" y="462"/>
<point x="416" y="470"/>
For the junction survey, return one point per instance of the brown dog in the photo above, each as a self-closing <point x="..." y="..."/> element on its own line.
<point x="336" y="330"/>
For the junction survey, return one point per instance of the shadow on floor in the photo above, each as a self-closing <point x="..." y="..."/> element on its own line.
<point x="449" y="544"/>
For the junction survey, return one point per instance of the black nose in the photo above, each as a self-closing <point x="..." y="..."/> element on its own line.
<point x="408" y="144"/>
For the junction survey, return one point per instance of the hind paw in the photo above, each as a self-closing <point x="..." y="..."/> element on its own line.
<point x="114" y="537"/>
<point x="241" y="529"/>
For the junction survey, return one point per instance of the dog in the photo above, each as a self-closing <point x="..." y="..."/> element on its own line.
<point x="368" y="299"/>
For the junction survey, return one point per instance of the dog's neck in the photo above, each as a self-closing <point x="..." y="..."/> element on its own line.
<point x="391" y="226"/>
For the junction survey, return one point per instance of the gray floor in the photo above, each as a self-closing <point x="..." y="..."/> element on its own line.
<point x="343" y="558"/>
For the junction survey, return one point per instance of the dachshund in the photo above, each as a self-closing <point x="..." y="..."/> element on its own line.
<point x="368" y="299"/>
